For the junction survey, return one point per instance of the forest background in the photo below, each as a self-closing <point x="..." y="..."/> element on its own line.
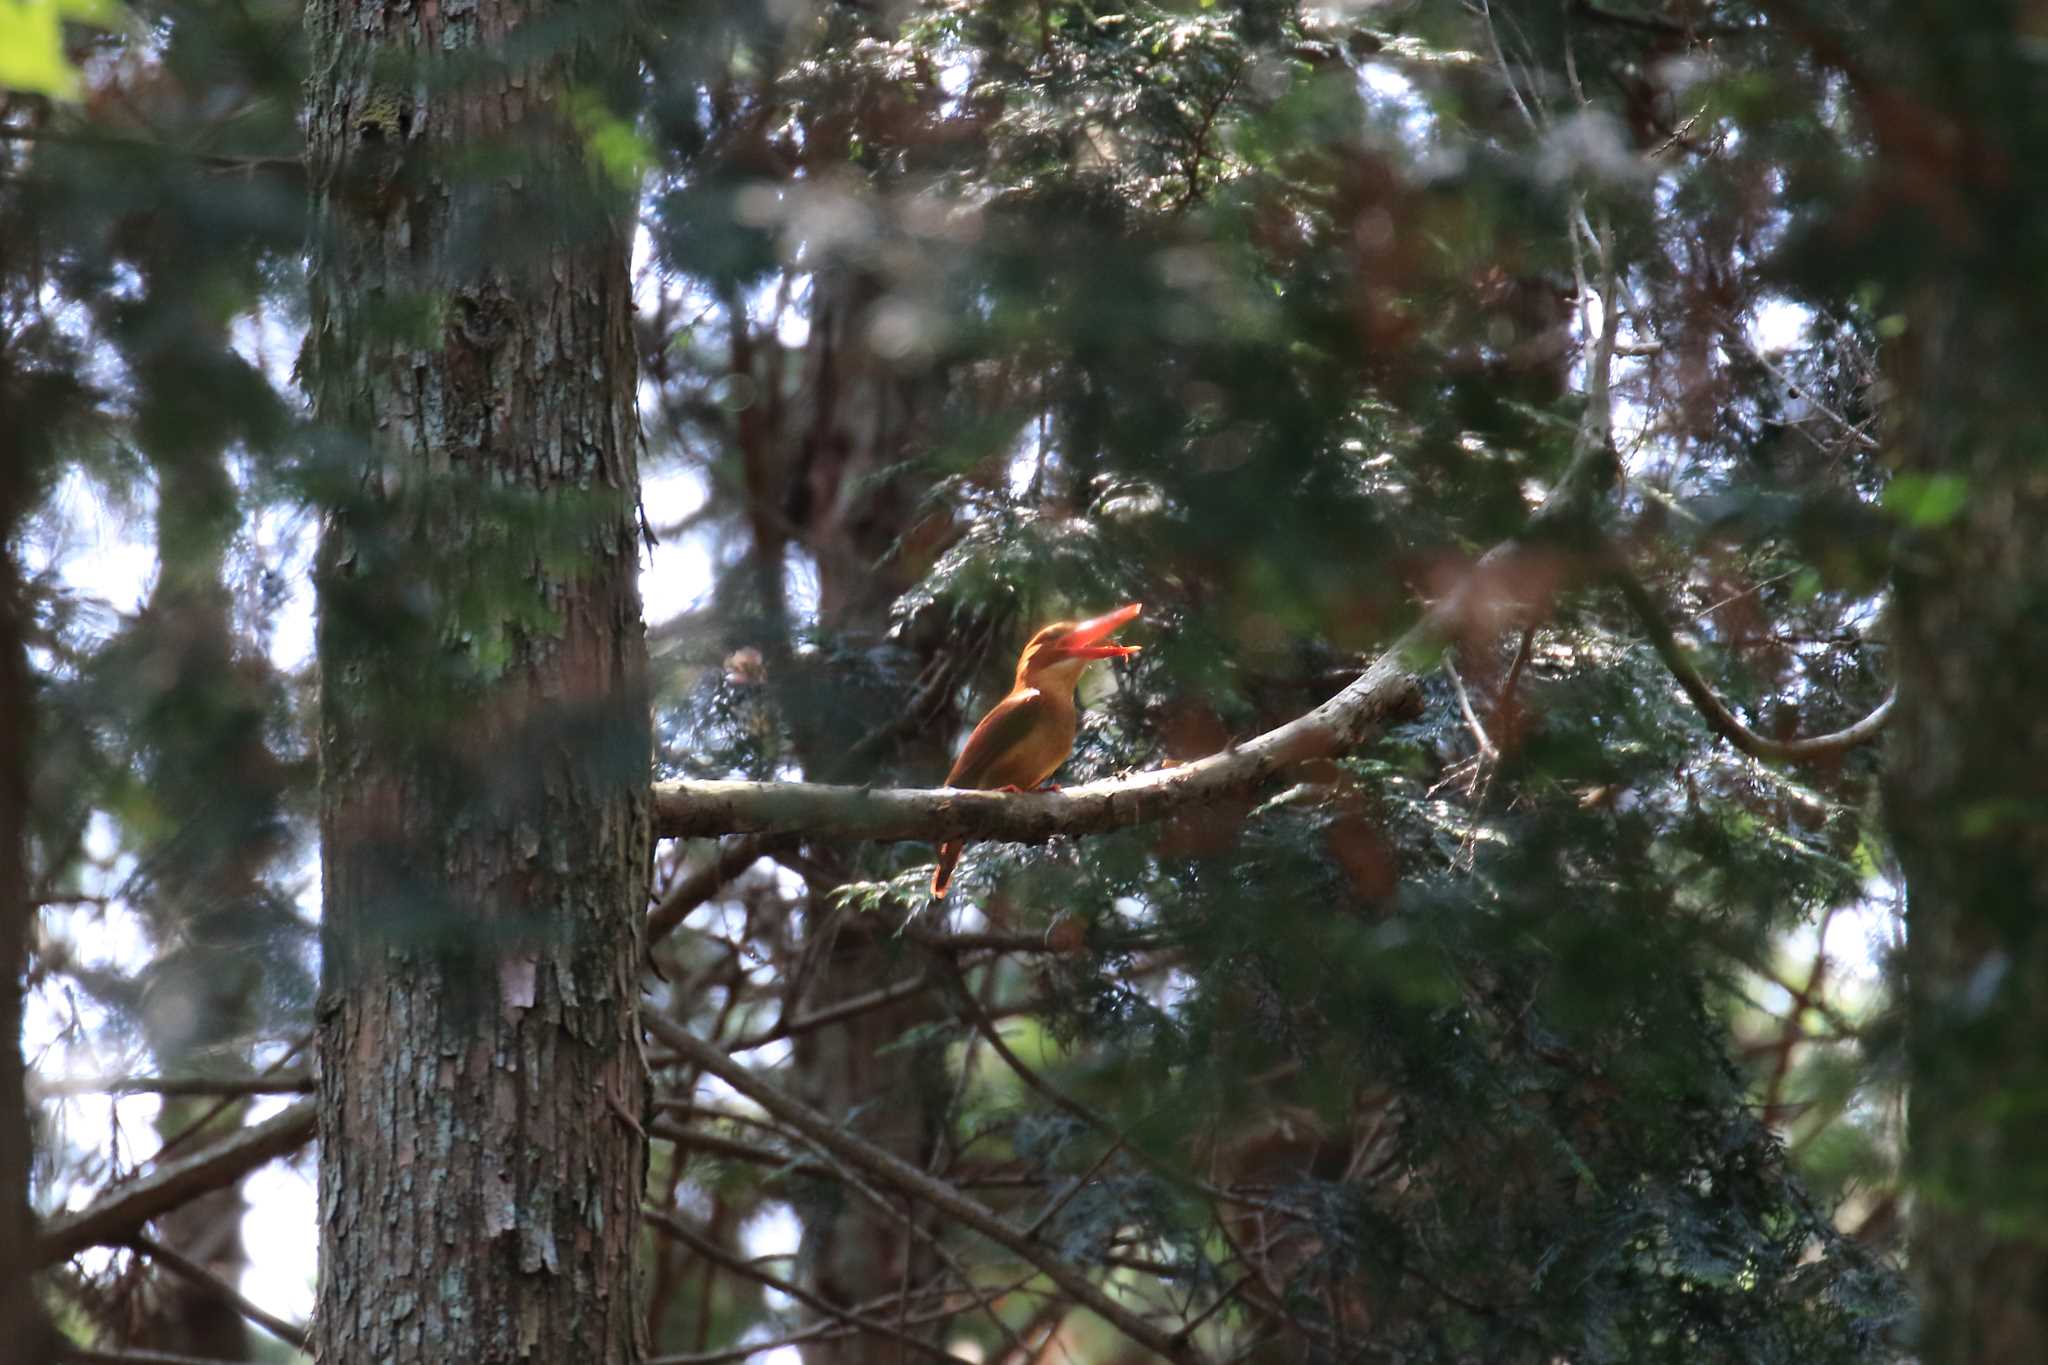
<point x="1583" y="464"/>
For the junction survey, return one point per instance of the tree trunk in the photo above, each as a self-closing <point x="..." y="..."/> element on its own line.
<point x="484" y="728"/>
<point x="211" y="772"/>
<point x="1965" y="795"/>
<point x="21" y="1321"/>
<point x="1955" y="213"/>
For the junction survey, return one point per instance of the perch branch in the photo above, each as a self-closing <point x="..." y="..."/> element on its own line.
<point x="1385" y="690"/>
<point x="232" y="1087"/>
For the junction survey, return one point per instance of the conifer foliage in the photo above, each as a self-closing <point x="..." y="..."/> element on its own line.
<point x="1573" y="391"/>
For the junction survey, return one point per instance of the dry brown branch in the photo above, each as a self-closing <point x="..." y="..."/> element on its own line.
<point x="1719" y="718"/>
<point x="291" y="1334"/>
<point x="711" y="1251"/>
<point x="900" y="1175"/>
<point x="231" y="1087"/>
<point x="732" y="858"/>
<point x="117" y="1215"/>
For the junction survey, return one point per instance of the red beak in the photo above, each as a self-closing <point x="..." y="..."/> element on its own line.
<point x="1085" y="640"/>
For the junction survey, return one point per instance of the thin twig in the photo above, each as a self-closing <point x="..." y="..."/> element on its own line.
<point x="1797" y="389"/>
<point x="846" y="1009"/>
<point x="1507" y="72"/>
<point x="199" y="1125"/>
<point x="291" y="1334"/>
<point x="1521" y="661"/>
<point x="1719" y="718"/>
<point x="711" y="1251"/>
<point x="732" y="858"/>
<point x="1486" y="745"/>
<point x="893" y="1170"/>
<point x="1073" y="1187"/>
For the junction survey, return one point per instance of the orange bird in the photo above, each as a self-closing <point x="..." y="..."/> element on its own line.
<point x="1027" y="735"/>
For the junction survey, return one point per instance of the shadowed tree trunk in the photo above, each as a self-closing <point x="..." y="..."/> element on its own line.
<point x="221" y="790"/>
<point x="21" y="1321"/>
<point x="485" y="742"/>
<point x="855" y="417"/>
<point x="1966" y="804"/>
<point x="1956" y="215"/>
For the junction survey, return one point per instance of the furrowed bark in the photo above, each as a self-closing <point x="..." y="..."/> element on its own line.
<point x="485" y="740"/>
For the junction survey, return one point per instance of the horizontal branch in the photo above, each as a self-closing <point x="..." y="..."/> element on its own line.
<point x="133" y="1355"/>
<point x="228" y="1087"/>
<point x="1389" y="689"/>
<point x="1385" y="691"/>
<point x="117" y="1215"/>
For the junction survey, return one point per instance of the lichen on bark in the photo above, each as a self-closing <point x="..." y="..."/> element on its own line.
<point x="484" y="730"/>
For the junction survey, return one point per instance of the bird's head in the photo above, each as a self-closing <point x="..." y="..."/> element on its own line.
<point x="1058" y="653"/>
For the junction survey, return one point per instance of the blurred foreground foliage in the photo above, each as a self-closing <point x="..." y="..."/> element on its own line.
<point x="1547" y="1026"/>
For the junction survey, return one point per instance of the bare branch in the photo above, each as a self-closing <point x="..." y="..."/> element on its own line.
<point x="750" y="1350"/>
<point x="1486" y="745"/>
<point x="877" y="999"/>
<point x="231" y="1087"/>
<point x="86" y="1355"/>
<point x="732" y="858"/>
<point x="711" y="1251"/>
<point x="894" y="1171"/>
<point x="115" y="1218"/>
<point x="290" y="168"/>
<point x="1100" y="939"/>
<point x="833" y="1331"/>
<point x="1719" y="718"/>
<point x="1798" y="390"/>
<point x="290" y="1334"/>
<point x="1507" y="687"/>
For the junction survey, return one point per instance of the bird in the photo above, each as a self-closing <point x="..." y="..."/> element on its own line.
<point x="1027" y="735"/>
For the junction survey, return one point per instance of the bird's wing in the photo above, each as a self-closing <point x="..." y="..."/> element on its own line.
<point x="999" y="736"/>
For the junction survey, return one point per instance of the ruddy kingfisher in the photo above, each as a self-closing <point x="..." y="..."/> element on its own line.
<point x="1027" y="735"/>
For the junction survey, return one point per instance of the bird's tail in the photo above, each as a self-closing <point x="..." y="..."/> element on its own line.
<point x="942" y="875"/>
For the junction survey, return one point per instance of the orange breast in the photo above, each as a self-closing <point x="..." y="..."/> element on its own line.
<point x="1020" y="743"/>
<point x="1039" y="755"/>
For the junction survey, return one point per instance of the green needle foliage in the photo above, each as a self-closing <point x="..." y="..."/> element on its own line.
<point x="1549" y="1024"/>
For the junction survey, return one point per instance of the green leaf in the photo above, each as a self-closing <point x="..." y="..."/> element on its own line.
<point x="32" y="43"/>
<point x="612" y="143"/>
<point x="1925" y="501"/>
